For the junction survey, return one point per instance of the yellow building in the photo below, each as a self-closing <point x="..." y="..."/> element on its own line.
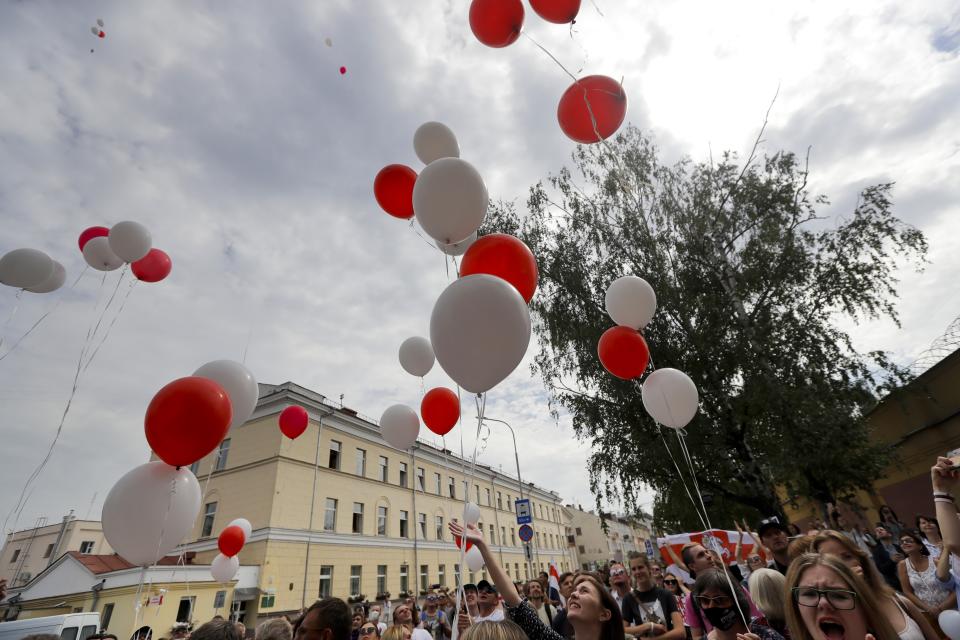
<point x="28" y="552"/>
<point x="339" y="512"/>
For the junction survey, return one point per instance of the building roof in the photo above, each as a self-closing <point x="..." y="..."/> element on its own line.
<point x="98" y="564"/>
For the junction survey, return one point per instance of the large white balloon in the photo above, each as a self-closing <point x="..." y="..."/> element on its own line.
<point x="54" y="282"/>
<point x="223" y="568"/>
<point x="471" y="513"/>
<point x="130" y="240"/>
<point x="400" y="426"/>
<point x="238" y="382"/>
<point x="148" y="500"/>
<point x="450" y="200"/>
<point x="458" y="248"/>
<point x="950" y="623"/>
<point x="25" y="268"/>
<point x="474" y="559"/>
<point x="480" y="331"/>
<point x="631" y="302"/>
<point x="416" y="356"/>
<point x="244" y="524"/>
<point x="435" y="140"/>
<point x="670" y="397"/>
<point x="100" y="256"/>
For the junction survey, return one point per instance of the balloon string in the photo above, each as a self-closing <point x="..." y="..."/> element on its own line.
<point x="13" y="312"/>
<point x="137" y="605"/>
<point x="463" y="544"/>
<point x="106" y="333"/>
<point x="103" y="313"/>
<point x="21" y="501"/>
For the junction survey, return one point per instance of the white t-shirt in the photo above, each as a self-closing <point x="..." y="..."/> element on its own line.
<point x="495" y="616"/>
<point x="420" y="634"/>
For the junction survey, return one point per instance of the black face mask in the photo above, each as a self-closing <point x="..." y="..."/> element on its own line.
<point x="721" y="618"/>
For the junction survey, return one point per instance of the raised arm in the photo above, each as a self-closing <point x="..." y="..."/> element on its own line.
<point x="738" y="552"/>
<point x="675" y="558"/>
<point x="943" y="476"/>
<point x="500" y="578"/>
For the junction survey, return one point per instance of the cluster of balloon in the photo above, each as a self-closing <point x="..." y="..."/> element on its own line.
<point x="31" y="270"/>
<point x="293" y="421"/>
<point x="107" y="249"/>
<point x="226" y="564"/>
<point x="153" y="507"/>
<point x="97" y="30"/>
<point x="669" y="396"/>
<point x="473" y="557"/>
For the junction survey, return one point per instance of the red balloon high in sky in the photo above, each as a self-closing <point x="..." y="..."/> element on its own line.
<point x="496" y="23"/>
<point x="590" y="106"/>
<point x="504" y="256"/>
<point x="623" y="352"/>
<point x="231" y="541"/>
<point x="293" y="421"/>
<point x="90" y="234"/>
<point x="556" y="11"/>
<point x="153" y="267"/>
<point x="187" y="419"/>
<point x="393" y="189"/>
<point x="440" y="410"/>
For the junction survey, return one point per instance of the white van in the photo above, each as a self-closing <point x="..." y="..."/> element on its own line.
<point x="72" y="626"/>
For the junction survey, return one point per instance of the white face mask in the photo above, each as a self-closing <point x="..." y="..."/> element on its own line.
<point x="374" y="616"/>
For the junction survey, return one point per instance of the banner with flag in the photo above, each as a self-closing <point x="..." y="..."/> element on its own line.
<point x="723" y="542"/>
<point x="553" y="583"/>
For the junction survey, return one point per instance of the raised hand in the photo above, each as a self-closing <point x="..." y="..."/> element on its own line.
<point x="470" y="532"/>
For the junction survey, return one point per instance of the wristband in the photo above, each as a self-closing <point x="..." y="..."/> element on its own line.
<point x="946" y="500"/>
<point x="942" y="494"/>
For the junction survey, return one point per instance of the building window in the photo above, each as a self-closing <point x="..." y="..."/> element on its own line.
<point x="222" y="453"/>
<point x="357" y="521"/>
<point x="423" y="525"/>
<point x="185" y="610"/>
<point x="421" y="479"/>
<point x="538" y="538"/>
<point x="452" y="487"/>
<point x="106" y="615"/>
<point x="499" y="500"/>
<point x="220" y="599"/>
<point x="579" y="531"/>
<point x="361" y="463"/>
<point x="384" y="469"/>
<point x="488" y="496"/>
<point x="381" y="578"/>
<point x="403" y="526"/>
<point x="86" y="546"/>
<point x="477" y="487"/>
<point x="266" y="602"/>
<point x="49" y="551"/>
<point x="436" y="482"/>
<point x="516" y="570"/>
<point x="195" y="467"/>
<point x="513" y="536"/>
<point x="404" y="579"/>
<point x="439" y="527"/>
<point x="209" y="512"/>
<point x="334" y="461"/>
<point x="509" y="503"/>
<point x="356" y="572"/>
<point x="582" y="550"/>
<point x="16" y="554"/>
<point x="424" y="577"/>
<point x="456" y="574"/>
<point x="503" y="535"/>
<point x="382" y="525"/>
<point x="493" y="539"/>
<point x="441" y="575"/>
<point x="326" y="580"/>
<point x="330" y="515"/>
<point x="403" y="474"/>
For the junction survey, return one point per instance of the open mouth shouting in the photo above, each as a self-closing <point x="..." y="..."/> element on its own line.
<point x="831" y="628"/>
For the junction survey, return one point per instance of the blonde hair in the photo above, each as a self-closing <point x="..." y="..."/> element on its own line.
<point x="866" y="602"/>
<point x="871" y="575"/>
<point x="800" y="546"/>
<point x="767" y="590"/>
<point x="394" y="632"/>
<point x="487" y="630"/>
<point x="274" y="629"/>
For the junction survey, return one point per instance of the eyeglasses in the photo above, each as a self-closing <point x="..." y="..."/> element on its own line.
<point x="907" y="541"/>
<point x="431" y="598"/>
<point x="839" y="599"/>
<point x="368" y="630"/>
<point x="618" y="572"/>
<point x="670" y="582"/>
<point x="718" y="601"/>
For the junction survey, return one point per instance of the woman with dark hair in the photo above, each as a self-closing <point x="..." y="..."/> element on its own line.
<point x="918" y="576"/>
<point x="591" y="610"/>
<point x="929" y="529"/>
<point x="890" y="521"/>
<point x="724" y="604"/>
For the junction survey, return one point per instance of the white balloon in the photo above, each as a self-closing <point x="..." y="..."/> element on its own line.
<point x="25" y="268"/>
<point x="435" y="140"/>
<point x="670" y="397"/>
<point x="450" y="200"/>
<point x="458" y="248"/>
<point x="100" y="256"/>
<point x="238" y="382"/>
<point x="130" y="240"/>
<point x="244" y="524"/>
<point x="474" y="559"/>
<point x="471" y="513"/>
<point x="148" y="500"/>
<point x="400" y="426"/>
<point x="54" y="282"/>
<point x="480" y="331"/>
<point x="95" y="31"/>
<point x="223" y="568"/>
<point x="100" y="21"/>
<point x="631" y="302"/>
<point x="950" y="623"/>
<point x="416" y="356"/>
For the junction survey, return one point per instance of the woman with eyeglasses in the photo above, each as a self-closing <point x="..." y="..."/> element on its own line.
<point x="369" y="631"/>
<point x="724" y="604"/>
<point x="902" y="614"/>
<point x="918" y="577"/>
<point x="828" y="601"/>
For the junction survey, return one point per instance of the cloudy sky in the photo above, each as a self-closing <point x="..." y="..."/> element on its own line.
<point x="234" y="138"/>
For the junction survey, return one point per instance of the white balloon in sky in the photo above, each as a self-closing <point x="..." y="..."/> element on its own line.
<point x="435" y="140"/>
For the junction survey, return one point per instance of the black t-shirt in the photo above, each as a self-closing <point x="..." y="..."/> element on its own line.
<point x="655" y="605"/>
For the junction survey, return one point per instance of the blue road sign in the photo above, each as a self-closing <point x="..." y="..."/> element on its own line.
<point x="524" y="514"/>
<point x="525" y="533"/>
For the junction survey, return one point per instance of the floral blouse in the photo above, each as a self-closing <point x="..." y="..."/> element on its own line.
<point x="526" y="616"/>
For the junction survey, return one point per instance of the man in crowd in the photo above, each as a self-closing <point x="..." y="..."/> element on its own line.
<point x="433" y="619"/>
<point x="218" y="630"/>
<point x="657" y="572"/>
<point x="619" y="582"/>
<point x="534" y="593"/>
<point x="886" y="555"/>
<point x="649" y="611"/>
<point x="327" y="619"/>
<point x="488" y="602"/>
<point x="376" y="617"/>
<point x="773" y="536"/>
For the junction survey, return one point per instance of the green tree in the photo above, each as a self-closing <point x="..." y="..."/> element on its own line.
<point x="753" y="288"/>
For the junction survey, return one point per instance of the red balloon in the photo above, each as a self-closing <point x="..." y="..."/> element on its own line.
<point x="187" y="419"/>
<point x="153" y="267"/>
<point x="440" y="410"/>
<point x="556" y="11"/>
<point x="623" y="352"/>
<point x="504" y="256"/>
<point x="607" y="102"/>
<point x="496" y="23"/>
<point x="102" y="34"/>
<point x="294" y="421"/>
<point x="457" y="539"/>
<point x="91" y="233"/>
<point x="231" y="540"/>
<point x="393" y="189"/>
<point x="343" y="70"/>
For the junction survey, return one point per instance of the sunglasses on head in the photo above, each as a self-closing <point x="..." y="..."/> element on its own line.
<point x="618" y="572"/>
<point x="670" y="582"/>
<point x="368" y="630"/>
